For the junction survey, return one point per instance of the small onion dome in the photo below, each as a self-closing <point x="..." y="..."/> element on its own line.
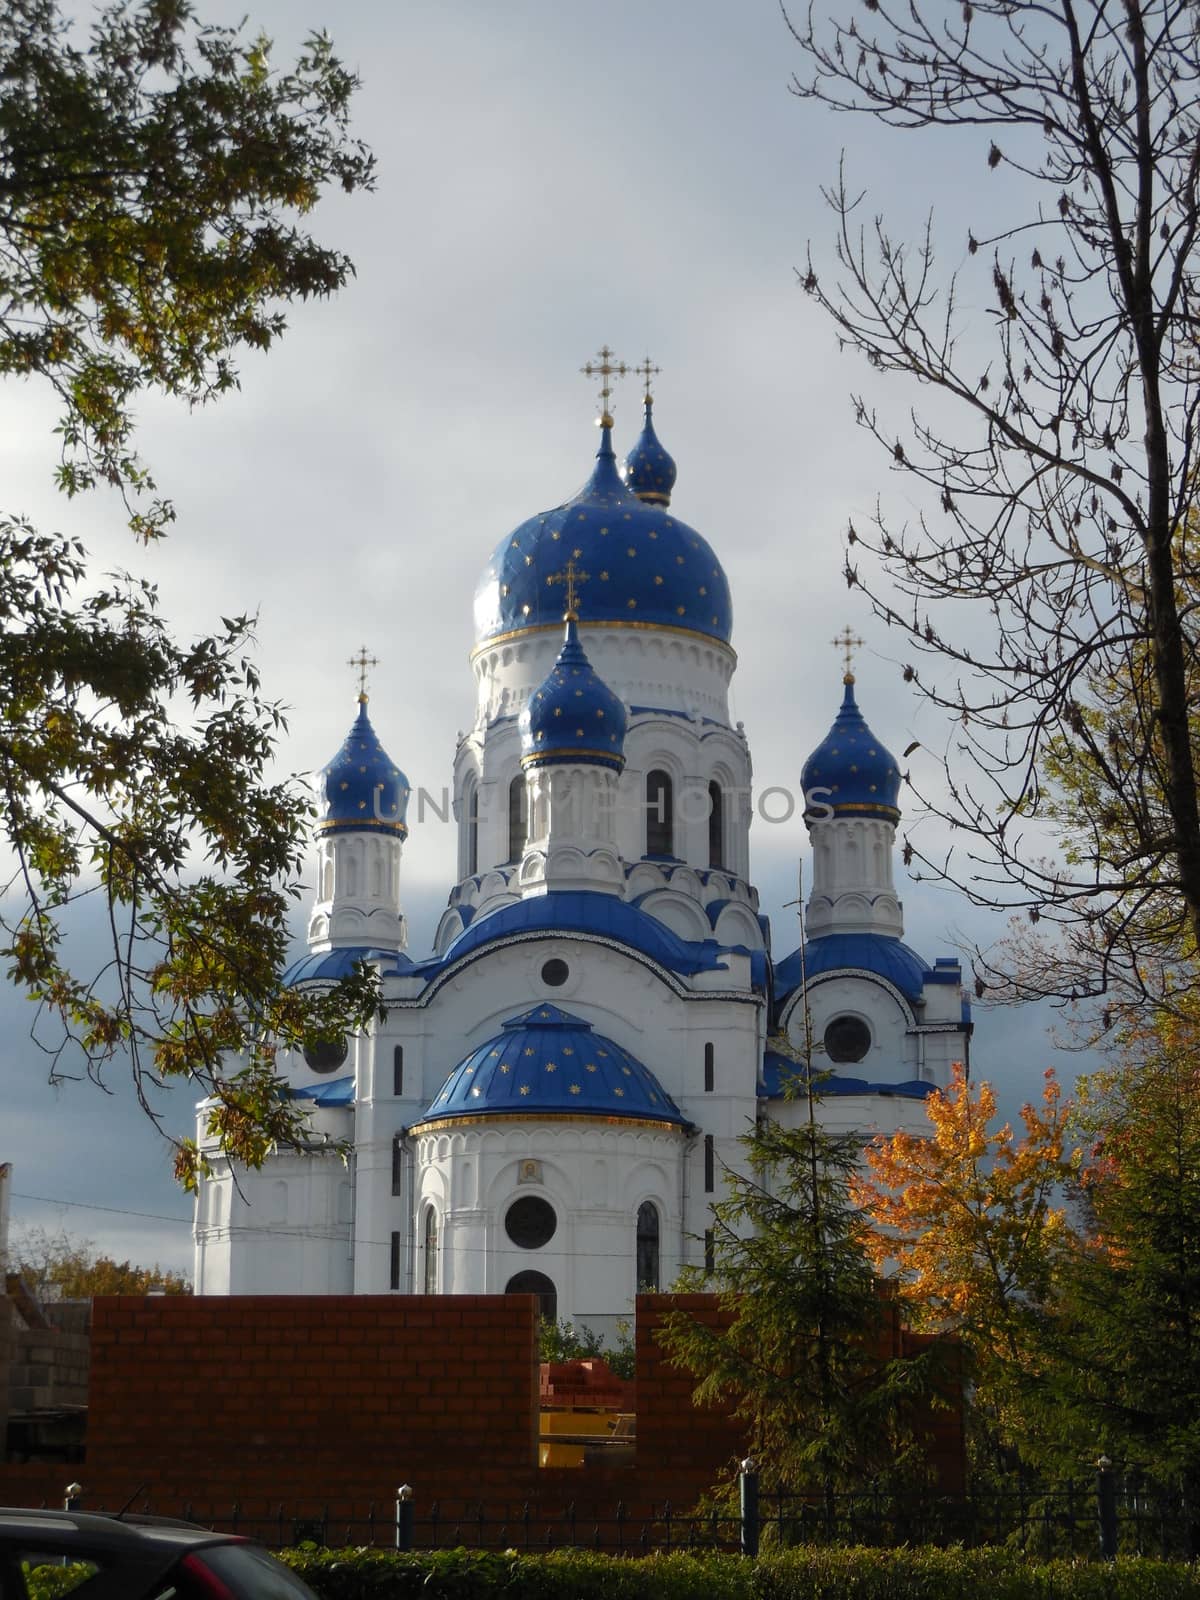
<point x="649" y="471"/>
<point x="547" y="1062"/>
<point x="646" y="569"/>
<point x="362" y="787"/>
<point x="574" y="716"/>
<point x="850" y="770"/>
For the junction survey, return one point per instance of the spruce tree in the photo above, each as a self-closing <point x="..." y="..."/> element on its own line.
<point x="807" y="1358"/>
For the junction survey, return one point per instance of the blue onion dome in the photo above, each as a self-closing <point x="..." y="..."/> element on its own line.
<point x="644" y="567"/>
<point x="649" y="471"/>
<point x="856" y="952"/>
<point x="850" y="770"/>
<point x="362" y="787"/>
<point x="548" y="1062"/>
<point x="574" y="716"/>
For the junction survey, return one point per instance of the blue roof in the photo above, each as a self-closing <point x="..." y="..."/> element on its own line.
<point x="649" y="471"/>
<point x="643" y="565"/>
<point x="362" y="787"/>
<point x="864" y="952"/>
<point x="778" y="1070"/>
<point x="850" y="770"/>
<point x="331" y="966"/>
<point x="567" y="911"/>
<point x="337" y="1092"/>
<point x="574" y="716"/>
<point x="548" y="1062"/>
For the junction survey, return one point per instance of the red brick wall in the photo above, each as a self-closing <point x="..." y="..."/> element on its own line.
<point x="287" y="1397"/>
<point x="312" y="1402"/>
<point x="688" y="1447"/>
<point x="36" y="1483"/>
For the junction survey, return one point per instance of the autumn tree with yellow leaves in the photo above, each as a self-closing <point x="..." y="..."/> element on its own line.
<point x="971" y="1226"/>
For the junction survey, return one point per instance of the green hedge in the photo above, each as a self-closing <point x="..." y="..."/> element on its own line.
<point x="806" y="1574"/>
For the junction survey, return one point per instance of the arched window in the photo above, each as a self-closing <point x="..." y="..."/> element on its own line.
<point x="398" y="1069"/>
<point x="647" y="1248"/>
<point x="660" y="814"/>
<point x="710" y="1068"/>
<point x="472" y="829"/>
<point x="431" y="1250"/>
<point x="539" y="1284"/>
<point x="518" y="817"/>
<point x="716" y="825"/>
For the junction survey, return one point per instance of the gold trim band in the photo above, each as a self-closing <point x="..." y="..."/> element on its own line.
<point x="580" y="752"/>
<point x="442" y="1123"/>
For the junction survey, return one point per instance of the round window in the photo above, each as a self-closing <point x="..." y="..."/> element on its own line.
<point x="530" y="1222"/>
<point x="847" y="1039"/>
<point x="555" y="973"/>
<point x="326" y="1055"/>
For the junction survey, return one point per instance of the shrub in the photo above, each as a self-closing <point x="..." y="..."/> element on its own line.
<point x="836" y="1573"/>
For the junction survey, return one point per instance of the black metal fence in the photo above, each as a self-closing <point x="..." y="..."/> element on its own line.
<point x="1103" y="1515"/>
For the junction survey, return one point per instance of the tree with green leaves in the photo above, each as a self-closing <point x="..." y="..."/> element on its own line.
<point x="806" y="1358"/>
<point x="156" y="177"/>
<point x="1127" y="1325"/>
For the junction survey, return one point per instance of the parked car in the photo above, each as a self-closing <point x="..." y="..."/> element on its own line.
<point x="134" y="1558"/>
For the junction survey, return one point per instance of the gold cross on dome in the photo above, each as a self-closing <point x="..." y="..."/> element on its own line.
<point x="646" y="370"/>
<point x="847" y="643"/>
<point x="570" y="575"/>
<point x="604" y="367"/>
<point x="360" y="663"/>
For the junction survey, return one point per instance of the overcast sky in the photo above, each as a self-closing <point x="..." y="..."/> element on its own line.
<point x="552" y="176"/>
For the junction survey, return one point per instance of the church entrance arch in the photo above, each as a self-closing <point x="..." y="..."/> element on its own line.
<point x="539" y="1284"/>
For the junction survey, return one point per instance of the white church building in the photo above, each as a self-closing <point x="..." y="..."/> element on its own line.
<point x="550" y="1096"/>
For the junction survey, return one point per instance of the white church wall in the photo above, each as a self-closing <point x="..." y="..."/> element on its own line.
<point x="592" y="1175"/>
<point x="283" y="1230"/>
<point x="658" y="667"/>
<point x="620" y="996"/>
<point x="892" y="1055"/>
<point x="865" y="1116"/>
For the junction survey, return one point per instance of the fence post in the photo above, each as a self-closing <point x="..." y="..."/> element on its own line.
<point x="1106" y="1508"/>
<point x="404" y="1517"/>
<point x="72" y="1495"/>
<point x="748" y="1506"/>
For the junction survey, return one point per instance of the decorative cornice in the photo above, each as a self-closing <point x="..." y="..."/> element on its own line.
<point x="586" y="625"/>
